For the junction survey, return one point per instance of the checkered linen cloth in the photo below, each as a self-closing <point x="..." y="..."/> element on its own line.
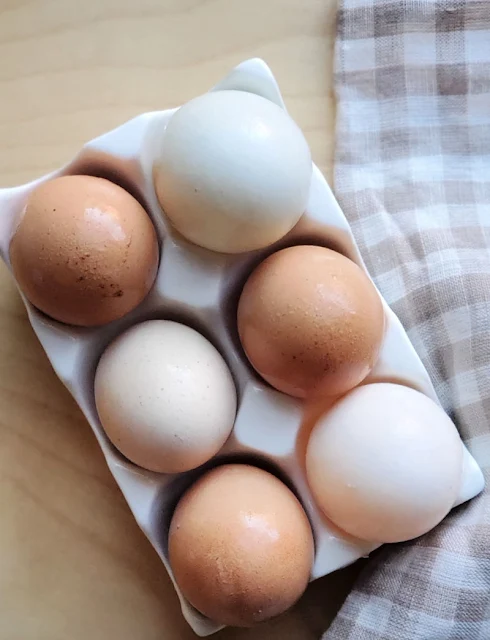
<point x="412" y="174"/>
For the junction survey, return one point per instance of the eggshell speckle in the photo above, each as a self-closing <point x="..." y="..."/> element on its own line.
<point x="233" y="171"/>
<point x="240" y="545"/>
<point x="85" y="251"/>
<point x="310" y="321"/>
<point x="165" y="396"/>
<point x="385" y="463"/>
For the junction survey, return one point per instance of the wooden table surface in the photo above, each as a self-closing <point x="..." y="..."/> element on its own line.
<point x="73" y="564"/>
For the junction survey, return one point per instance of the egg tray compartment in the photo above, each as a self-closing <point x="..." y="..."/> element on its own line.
<point x="201" y="288"/>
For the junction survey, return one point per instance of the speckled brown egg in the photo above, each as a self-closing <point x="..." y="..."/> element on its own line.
<point x="310" y="321"/>
<point x="240" y="545"/>
<point x="85" y="251"/>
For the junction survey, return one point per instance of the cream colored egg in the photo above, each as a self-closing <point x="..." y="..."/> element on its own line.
<point x="385" y="463"/>
<point x="233" y="171"/>
<point x="165" y="396"/>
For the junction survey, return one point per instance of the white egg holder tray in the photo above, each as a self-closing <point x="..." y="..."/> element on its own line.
<point x="200" y="288"/>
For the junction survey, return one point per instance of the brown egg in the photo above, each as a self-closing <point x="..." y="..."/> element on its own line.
<point x="310" y="321"/>
<point x="240" y="545"/>
<point x="85" y="251"/>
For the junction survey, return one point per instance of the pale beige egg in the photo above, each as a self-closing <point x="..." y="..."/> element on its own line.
<point x="385" y="463"/>
<point x="165" y="396"/>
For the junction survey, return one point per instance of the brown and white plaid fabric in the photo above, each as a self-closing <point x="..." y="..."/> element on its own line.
<point x="413" y="176"/>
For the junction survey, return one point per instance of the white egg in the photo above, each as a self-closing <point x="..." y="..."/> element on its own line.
<point x="385" y="463"/>
<point x="165" y="396"/>
<point x="233" y="171"/>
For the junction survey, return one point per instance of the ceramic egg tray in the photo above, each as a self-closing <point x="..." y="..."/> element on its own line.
<point x="201" y="289"/>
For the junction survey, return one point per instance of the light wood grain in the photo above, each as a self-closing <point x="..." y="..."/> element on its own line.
<point x="73" y="564"/>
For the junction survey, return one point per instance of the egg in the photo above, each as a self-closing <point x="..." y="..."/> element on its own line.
<point x="232" y="171"/>
<point x="84" y="251"/>
<point x="310" y="321"/>
<point x="385" y="463"/>
<point x="240" y="545"/>
<point x="165" y="396"/>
